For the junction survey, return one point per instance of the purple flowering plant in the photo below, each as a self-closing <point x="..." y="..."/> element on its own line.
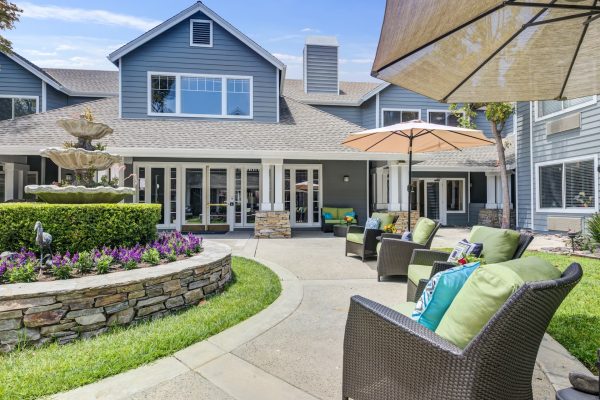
<point x="19" y="266"/>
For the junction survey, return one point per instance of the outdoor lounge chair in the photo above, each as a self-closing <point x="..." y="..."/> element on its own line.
<point x="394" y="254"/>
<point x="424" y="264"/>
<point x="387" y="355"/>
<point x="363" y="242"/>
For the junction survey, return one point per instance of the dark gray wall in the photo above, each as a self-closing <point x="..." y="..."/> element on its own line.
<point x="337" y="193"/>
<point x="478" y="187"/>
<point x="321" y="68"/>
<point x="171" y="52"/>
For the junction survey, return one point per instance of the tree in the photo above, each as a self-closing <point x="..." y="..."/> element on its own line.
<point x="9" y="14"/>
<point x="497" y="114"/>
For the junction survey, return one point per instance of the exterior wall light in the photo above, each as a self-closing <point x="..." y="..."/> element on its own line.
<point x="346" y="178"/>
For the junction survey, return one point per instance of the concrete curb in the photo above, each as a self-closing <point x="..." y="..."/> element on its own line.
<point x="212" y="358"/>
<point x="556" y="363"/>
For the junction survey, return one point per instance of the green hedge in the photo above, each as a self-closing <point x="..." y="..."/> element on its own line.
<point x="77" y="227"/>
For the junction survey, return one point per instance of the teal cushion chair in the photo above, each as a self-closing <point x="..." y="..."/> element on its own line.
<point x="499" y="245"/>
<point x="337" y="215"/>
<point x="394" y="254"/>
<point x="363" y="242"/>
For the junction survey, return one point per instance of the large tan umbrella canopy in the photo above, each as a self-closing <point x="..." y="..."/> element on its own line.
<point x="491" y="50"/>
<point x="415" y="137"/>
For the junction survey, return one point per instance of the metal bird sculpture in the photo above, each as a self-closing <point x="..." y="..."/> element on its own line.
<point x="44" y="241"/>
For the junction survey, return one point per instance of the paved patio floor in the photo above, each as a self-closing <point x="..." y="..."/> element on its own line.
<point x="299" y="357"/>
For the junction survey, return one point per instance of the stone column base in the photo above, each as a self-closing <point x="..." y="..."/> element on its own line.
<point x="493" y="218"/>
<point x="272" y="224"/>
<point x="402" y="219"/>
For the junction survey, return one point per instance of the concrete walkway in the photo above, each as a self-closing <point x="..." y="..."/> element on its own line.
<point x="291" y="350"/>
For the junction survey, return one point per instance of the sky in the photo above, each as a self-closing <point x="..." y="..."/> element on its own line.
<point x="80" y="34"/>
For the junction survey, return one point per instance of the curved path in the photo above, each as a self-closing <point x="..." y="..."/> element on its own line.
<point x="292" y="350"/>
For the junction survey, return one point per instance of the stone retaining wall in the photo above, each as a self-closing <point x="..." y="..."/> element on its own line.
<point x="272" y="224"/>
<point x="39" y="312"/>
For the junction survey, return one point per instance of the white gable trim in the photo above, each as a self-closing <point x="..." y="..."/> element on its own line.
<point x="154" y="32"/>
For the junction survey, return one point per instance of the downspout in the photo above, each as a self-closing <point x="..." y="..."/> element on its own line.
<point x="531" y="113"/>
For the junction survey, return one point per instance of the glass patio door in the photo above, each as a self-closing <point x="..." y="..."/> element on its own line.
<point x="247" y="196"/>
<point x="158" y="185"/>
<point x="217" y="196"/>
<point x="433" y="201"/>
<point x="302" y="195"/>
<point x="194" y="196"/>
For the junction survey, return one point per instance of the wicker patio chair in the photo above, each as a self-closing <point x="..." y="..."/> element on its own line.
<point x="439" y="260"/>
<point x="388" y="356"/>
<point x="368" y="247"/>
<point x="395" y="254"/>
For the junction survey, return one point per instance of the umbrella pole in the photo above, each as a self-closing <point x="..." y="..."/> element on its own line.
<point x="409" y="187"/>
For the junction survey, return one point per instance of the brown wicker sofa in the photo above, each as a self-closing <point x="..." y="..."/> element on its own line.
<point x="439" y="261"/>
<point x="389" y="356"/>
<point x="394" y="254"/>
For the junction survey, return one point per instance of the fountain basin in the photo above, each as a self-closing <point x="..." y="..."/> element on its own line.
<point x="84" y="129"/>
<point x="79" y="194"/>
<point x="77" y="159"/>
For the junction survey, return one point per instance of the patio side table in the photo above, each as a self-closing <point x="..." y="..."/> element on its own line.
<point x="340" y="230"/>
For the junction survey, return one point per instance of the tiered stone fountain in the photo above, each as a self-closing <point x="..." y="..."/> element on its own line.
<point x="85" y="160"/>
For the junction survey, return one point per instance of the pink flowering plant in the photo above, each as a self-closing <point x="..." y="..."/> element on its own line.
<point x="24" y="266"/>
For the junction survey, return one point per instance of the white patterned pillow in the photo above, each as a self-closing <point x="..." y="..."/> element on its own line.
<point x="465" y="248"/>
<point x="372" y="223"/>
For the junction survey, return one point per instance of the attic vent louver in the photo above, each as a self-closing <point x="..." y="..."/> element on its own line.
<point x="200" y="33"/>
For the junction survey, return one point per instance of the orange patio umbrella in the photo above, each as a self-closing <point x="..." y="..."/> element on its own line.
<point x="415" y="137"/>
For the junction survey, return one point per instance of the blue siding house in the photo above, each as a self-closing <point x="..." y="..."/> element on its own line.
<point x="210" y="128"/>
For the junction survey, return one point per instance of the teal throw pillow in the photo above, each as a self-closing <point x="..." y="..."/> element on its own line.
<point x="350" y="214"/>
<point x="327" y="216"/>
<point x="439" y="294"/>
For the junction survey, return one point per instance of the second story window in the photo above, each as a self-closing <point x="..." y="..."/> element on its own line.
<point x="549" y="108"/>
<point x="12" y="107"/>
<point x="442" y="118"/>
<point x="210" y="96"/>
<point x="391" y="117"/>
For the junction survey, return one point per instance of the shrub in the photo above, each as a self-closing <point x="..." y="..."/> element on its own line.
<point x="78" y="227"/>
<point x="84" y="263"/>
<point x="593" y="225"/>
<point x="23" y="273"/>
<point x="103" y="264"/>
<point x="151" y="256"/>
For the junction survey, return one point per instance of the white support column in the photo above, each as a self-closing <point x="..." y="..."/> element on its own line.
<point x="278" y="200"/>
<point x="394" y="186"/>
<point x="492" y="187"/>
<point x="404" y="187"/>
<point x="9" y="181"/>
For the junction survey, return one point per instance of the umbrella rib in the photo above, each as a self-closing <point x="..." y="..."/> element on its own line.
<point x="458" y="28"/>
<point x="565" y="18"/>
<point x="498" y="50"/>
<point x="583" y="32"/>
<point x="472" y="137"/>
<point x="375" y="144"/>
<point x="445" y="141"/>
<point x="589" y="20"/>
<point x="552" y="5"/>
<point x="358" y="138"/>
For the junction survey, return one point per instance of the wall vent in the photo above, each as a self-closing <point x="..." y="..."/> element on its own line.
<point x="200" y="33"/>
<point x="565" y="224"/>
<point x="564" y="124"/>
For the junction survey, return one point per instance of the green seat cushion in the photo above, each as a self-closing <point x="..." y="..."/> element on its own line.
<point x="331" y="210"/>
<point x="422" y="231"/>
<point x="356" y="237"/>
<point x="484" y="293"/>
<point x="405" y="308"/>
<point x="417" y="272"/>
<point x="499" y="245"/>
<point x="384" y="218"/>
<point x="378" y="248"/>
<point x="333" y="221"/>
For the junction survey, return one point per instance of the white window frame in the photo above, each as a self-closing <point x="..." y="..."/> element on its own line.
<point x="537" y="118"/>
<point x="564" y="209"/>
<point x="178" y="113"/>
<point x="210" y="23"/>
<point x="383" y="110"/>
<point x="440" y="111"/>
<point x="463" y="209"/>
<point x="11" y="96"/>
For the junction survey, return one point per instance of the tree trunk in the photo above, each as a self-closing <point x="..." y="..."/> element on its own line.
<point x="503" y="177"/>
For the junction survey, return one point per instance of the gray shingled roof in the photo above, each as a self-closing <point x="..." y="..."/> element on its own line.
<point x="485" y="157"/>
<point x="304" y="130"/>
<point x="83" y="81"/>
<point x="350" y="92"/>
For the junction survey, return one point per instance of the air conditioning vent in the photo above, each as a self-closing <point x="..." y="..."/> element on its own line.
<point x="200" y="33"/>
<point x="564" y="124"/>
<point x="565" y="224"/>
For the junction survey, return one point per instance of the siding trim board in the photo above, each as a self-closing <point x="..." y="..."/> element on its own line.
<point x="564" y="210"/>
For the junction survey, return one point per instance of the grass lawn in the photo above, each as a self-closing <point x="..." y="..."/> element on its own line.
<point x="576" y="324"/>
<point x="30" y="373"/>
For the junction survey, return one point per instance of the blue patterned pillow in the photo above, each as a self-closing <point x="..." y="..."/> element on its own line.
<point x="327" y="216"/>
<point x="439" y="294"/>
<point x="372" y="223"/>
<point x="407" y="236"/>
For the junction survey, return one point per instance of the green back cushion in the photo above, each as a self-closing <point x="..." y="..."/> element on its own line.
<point x="385" y="218"/>
<point x="499" y="245"/>
<point x="486" y="290"/>
<point x="423" y="230"/>
<point x="342" y="212"/>
<point x="331" y="210"/>
<point x="356" y="237"/>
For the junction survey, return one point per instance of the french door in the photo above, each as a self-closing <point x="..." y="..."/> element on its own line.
<point x="247" y="195"/>
<point x="158" y="185"/>
<point x="205" y="196"/>
<point x="302" y="195"/>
